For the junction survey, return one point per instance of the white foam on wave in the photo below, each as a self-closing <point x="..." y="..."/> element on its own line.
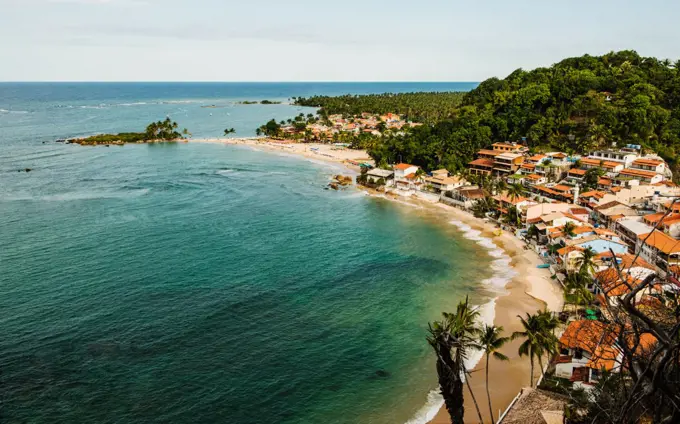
<point x="226" y="171"/>
<point x="14" y="111"/>
<point x="432" y="405"/>
<point x="502" y="274"/>
<point x="94" y="195"/>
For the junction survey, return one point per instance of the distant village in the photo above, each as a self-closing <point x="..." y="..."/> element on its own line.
<point x="613" y="209"/>
<point x="337" y="125"/>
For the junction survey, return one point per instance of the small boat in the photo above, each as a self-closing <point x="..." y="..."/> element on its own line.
<point x="543" y="266"/>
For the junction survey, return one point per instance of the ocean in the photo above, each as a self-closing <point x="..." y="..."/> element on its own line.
<point x="197" y="282"/>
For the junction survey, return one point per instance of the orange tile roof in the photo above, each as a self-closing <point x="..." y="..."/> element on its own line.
<point x="561" y="187"/>
<point x="604" y="181"/>
<point x="529" y="166"/>
<point x="487" y="152"/>
<point x="536" y="157"/>
<point x="661" y="241"/>
<point x="666" y="183"/>
<point x="410" y="176"/>
<point x="638" y="173"/>
<point x="534" y="177"/>
<point x="675" y="206"/>
<point x="586" y="335"/>
<point x="647" y="162"/>
<point x="594" y="193"/>
<point x="656" y="217"/>
<point x="579" y="211"/>
<point x="563" y="251"/>
<point x="616" y="189"/>
<point x="604" y="357"/>
<point x="482" y="162"/>
<point x="604" y="164"/>
<point x="403" y="166"/>
<point x="577" y="171"/>
<point x="560" y="155"/>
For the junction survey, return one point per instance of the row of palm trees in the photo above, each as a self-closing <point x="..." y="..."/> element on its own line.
<point x="457" y="335"/>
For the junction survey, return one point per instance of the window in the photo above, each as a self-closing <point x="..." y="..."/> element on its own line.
<point x="578" y="353"/>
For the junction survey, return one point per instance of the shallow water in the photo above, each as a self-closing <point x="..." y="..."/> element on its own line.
<point x="210" y="283"/>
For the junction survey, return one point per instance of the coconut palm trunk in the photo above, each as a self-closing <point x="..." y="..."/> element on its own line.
<point x="474" y="399"/>
<point x="450" y="384"/>
<point x="488" y="393"/>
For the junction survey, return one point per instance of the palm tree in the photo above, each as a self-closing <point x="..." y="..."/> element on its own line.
<point x="490" y="341"/>
<point x="568" y="229"/>
<point x="575" y="284"/>
<point x="532" y="232"/>
<point x="515" y="191"/>
<point x="451" y="339"/>
<point x="538" y="339"/>
<point x="586" y="262"/>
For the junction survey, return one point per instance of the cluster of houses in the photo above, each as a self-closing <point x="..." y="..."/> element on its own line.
<point x="630" y="218"/>
<point x="365" y="123"/>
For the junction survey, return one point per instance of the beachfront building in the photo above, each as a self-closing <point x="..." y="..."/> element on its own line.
<point x="587" y="348"/>
<point x="440" y="181"/>
<point x="374" y="175"/>
<point x="610" y="284"/>
<point x="405" y="177"/>
<point x="464" y="197"/>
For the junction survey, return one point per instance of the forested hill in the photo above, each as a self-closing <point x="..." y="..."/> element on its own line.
<point x="576" y="105"/>
<point x="619" y="97"/>
<point x="426" y="107"/>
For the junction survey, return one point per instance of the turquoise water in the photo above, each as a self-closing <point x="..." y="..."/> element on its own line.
<point x="210" y="283"/>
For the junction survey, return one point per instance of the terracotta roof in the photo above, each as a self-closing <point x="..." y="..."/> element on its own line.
<point x="568" y="249"/>
<point x="603" y="164"/>
<point x="661" y="242"/>
<point x="559" y="155"/>
<point x="594" y="193"/>
<point x="676" y="206"/>
<point x="473" y="193"/>
<point x="506" y="199"/>
<point x="577" y="172"/>
<point x="579" y="211"/>
<point x="586" y="335"/>
<point x="656" y="217"/>
<point x="482" y="162"/>
<point x="638" y="173"/>
<point x="529" y="166"/>
<point x="604" y="181"/>
<point x="666" y="183"/>
<point x="410" y="176"/>
<point x="609" y="205"/>
<point x="536" y="157"/>
<point x="616" y="189"/>
<point x="647" y="162"/>
<point x="403" y="166"/>
<point x="487" y="152"/>
<point x="534" y="177"/>
<point x="561" y="187"/>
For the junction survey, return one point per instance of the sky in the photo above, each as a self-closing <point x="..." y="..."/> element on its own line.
<point x="317" y="40"/>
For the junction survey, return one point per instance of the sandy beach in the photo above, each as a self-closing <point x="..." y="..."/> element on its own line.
<point x="325" y="152"/>
<point x="529" y="291"/>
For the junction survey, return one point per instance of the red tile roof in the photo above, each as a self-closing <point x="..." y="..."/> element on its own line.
<point x="482" y="162"/>
<point x="661" y="241"/>
<point x="647" y="162"/>
<point x="596" y="162"/>
<point x="638" y="173"/>
<point x="579" y="172"/>
<point x="403" y="166"/>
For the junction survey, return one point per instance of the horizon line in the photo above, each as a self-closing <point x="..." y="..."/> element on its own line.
<point x="231" y="82"/>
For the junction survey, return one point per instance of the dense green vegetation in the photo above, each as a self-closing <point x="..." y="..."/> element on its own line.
<point x="576" y="105"/>
<point x="418" y="107"/>
<point x="156" y="131"/>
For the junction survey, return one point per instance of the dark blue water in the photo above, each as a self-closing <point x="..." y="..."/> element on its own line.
<point x="206" y="283"/>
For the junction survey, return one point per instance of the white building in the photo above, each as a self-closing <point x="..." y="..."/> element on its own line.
<point x="405" y="177"/>
<point x="626" y="157"/>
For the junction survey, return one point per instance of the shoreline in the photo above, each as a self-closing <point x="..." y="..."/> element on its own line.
<point x="319" y="151"/>
<point x="523" y="288"/>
